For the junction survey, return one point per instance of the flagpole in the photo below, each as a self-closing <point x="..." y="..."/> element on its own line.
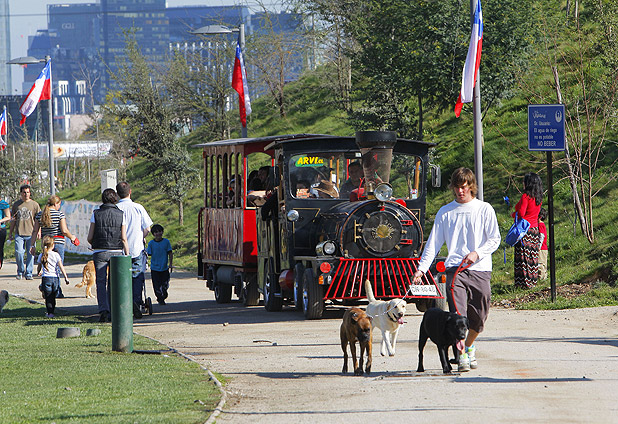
<point x="241" y="39"/>
<point x="478" y="125"/>
<point x="50" y="146"/>
<point x="6" y="123"/>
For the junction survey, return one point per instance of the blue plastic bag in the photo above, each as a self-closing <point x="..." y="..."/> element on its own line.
<point x="517" y="231"/>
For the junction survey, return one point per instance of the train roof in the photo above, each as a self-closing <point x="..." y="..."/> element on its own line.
<point x="275" y="141"/>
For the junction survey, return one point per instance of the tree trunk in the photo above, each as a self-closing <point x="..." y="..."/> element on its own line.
<point x="181" y="213"/>
<point x="420" y="116"/>
<point x="572" y="179"/>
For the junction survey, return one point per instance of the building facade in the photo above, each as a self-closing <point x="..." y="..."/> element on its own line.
<point x="5" y="49"/>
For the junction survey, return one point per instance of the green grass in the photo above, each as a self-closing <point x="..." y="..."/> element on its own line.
<point x="45" y="379"/>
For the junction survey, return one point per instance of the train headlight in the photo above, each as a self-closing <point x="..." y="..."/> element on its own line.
<point x="293" y="215"/>
<point x="383" y="192"/>
<point x="325" y="248"/>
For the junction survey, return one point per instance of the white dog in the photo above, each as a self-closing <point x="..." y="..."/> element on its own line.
<point x="4" y="298"/>
<point x="387" y="316"/>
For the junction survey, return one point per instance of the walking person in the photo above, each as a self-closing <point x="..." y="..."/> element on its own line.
<point x="52" y="222"/>
<point x="50" y="264"/>
<point x="138" y="226"/>
<point x="5" y="216"/>
<point x="470" y="230"/>
<point x="161" y="263"/>
<point x="108" y="237"/>
<point x="526" y="252"/>
<point x="23" y="213"/>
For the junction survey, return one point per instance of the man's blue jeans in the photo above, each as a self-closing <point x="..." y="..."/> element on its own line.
<point x="22" y="245"/>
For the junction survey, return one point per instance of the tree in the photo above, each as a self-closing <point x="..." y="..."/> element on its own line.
<point x="151" y="119"/>
<point x="198" y="83"/>
<point x="589" y="66"/>
<point x="276" y="51"/>
<point x="407" y="56"/>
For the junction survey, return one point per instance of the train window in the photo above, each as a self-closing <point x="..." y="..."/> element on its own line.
<point x="406" y="176"/>
<point x="218" y="182"/>
<point x="257" y="171"/>
<point x="316" y="176"/>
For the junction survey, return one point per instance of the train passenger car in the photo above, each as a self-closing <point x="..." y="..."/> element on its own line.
<point x="336" y="211"/>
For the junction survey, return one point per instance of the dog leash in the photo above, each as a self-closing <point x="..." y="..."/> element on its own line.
<point x="462" y="267"/>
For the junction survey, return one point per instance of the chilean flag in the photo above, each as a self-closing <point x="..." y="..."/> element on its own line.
<point x="473" y="61"/>
<point x="41" y="90"/>
<point x="239" y="83"/>
<point x="2" y="129"/>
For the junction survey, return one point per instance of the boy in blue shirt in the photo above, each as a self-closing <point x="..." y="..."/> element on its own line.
<point x="160" y="251"/>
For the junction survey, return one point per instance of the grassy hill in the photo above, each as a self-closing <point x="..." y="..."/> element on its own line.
<point x="590" y="268"/>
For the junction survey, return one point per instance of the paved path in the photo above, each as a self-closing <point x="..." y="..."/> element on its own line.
<point x="534" y="366"/>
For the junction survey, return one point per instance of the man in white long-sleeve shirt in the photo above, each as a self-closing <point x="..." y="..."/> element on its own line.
<point x="470" y="230"/>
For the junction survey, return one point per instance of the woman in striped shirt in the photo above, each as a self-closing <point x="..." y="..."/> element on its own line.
<point x="52" y="223"/>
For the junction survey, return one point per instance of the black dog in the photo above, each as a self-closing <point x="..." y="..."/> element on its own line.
<point x="444" y="329"/>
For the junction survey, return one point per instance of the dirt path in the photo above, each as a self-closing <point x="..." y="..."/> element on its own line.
<point x="534" y="366"/>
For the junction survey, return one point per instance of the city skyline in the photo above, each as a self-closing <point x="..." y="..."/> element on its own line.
<point x="26" y="18"/>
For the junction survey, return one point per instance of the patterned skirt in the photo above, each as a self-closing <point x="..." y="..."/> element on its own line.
<point x="526" y="259"/>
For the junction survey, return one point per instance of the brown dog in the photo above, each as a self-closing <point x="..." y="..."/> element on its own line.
<point x="356" y="327"/>
<point x="88" y="278"/>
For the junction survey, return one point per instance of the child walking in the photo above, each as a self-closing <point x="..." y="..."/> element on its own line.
<point x="48" y="261"/>
<point x="160" y="252"/>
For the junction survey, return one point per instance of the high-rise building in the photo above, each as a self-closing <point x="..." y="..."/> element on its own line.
<point x="5" y="48"/>
<point x="147" y="20"/>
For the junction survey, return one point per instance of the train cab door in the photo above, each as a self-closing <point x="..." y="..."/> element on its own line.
<point x="269" y="245"/>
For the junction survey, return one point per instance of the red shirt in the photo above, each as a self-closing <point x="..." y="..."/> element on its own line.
<point x="543" y="230"/>
<point x="528" y="209"/>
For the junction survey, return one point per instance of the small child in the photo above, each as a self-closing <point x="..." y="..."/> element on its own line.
<point x="543" y="245"/>
<point x="48" y="261"/>
<point x="160" y="251"/>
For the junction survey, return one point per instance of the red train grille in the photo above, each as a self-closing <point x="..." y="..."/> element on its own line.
<point x="389" y="278"/>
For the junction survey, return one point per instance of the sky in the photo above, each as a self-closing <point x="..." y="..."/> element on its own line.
<point x="28" y="16"/>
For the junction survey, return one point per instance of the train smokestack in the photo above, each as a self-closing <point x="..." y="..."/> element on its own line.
<point x="377" y="154"/>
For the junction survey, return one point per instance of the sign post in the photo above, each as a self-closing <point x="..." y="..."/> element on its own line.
<point x="546" y="133"/>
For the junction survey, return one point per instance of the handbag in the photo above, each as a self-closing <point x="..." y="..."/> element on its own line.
<point x="517" y="231"/>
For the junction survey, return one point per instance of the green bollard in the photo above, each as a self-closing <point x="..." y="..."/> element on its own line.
<point x="121" y="291"/>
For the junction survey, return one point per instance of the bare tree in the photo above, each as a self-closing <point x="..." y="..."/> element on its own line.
<point x="277" y="51"/>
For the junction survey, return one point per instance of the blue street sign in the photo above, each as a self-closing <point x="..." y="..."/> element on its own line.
<point x="546" y="127"/>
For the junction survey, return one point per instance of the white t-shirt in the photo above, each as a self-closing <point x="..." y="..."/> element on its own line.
<point x="465" y="228"/>
<point x="52" y="262"/>
<point x="137" y="220"/>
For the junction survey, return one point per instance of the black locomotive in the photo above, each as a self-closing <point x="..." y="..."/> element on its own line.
<point x="324" y="227"/>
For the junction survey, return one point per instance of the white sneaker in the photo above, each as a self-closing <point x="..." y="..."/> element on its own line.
<point x="471" y="352"/>
<point x="464" y="363"/>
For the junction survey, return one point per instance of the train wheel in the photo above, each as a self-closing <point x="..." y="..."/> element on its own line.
<point x="272" y="303"/>
<point x="223" y="293"/>
<point x="299" y="271"/>
<point x="313" y="298"/>
<point x="250" y="293"/>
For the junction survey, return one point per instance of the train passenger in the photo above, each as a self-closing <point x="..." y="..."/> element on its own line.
<point x="470" y="230"/>
<point x="326" y="190"/>
<point x="355" y="171"/>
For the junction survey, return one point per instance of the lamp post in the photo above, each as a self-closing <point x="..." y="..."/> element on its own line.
<point x="29" y="60"/>
<point x="222" y="29"/>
